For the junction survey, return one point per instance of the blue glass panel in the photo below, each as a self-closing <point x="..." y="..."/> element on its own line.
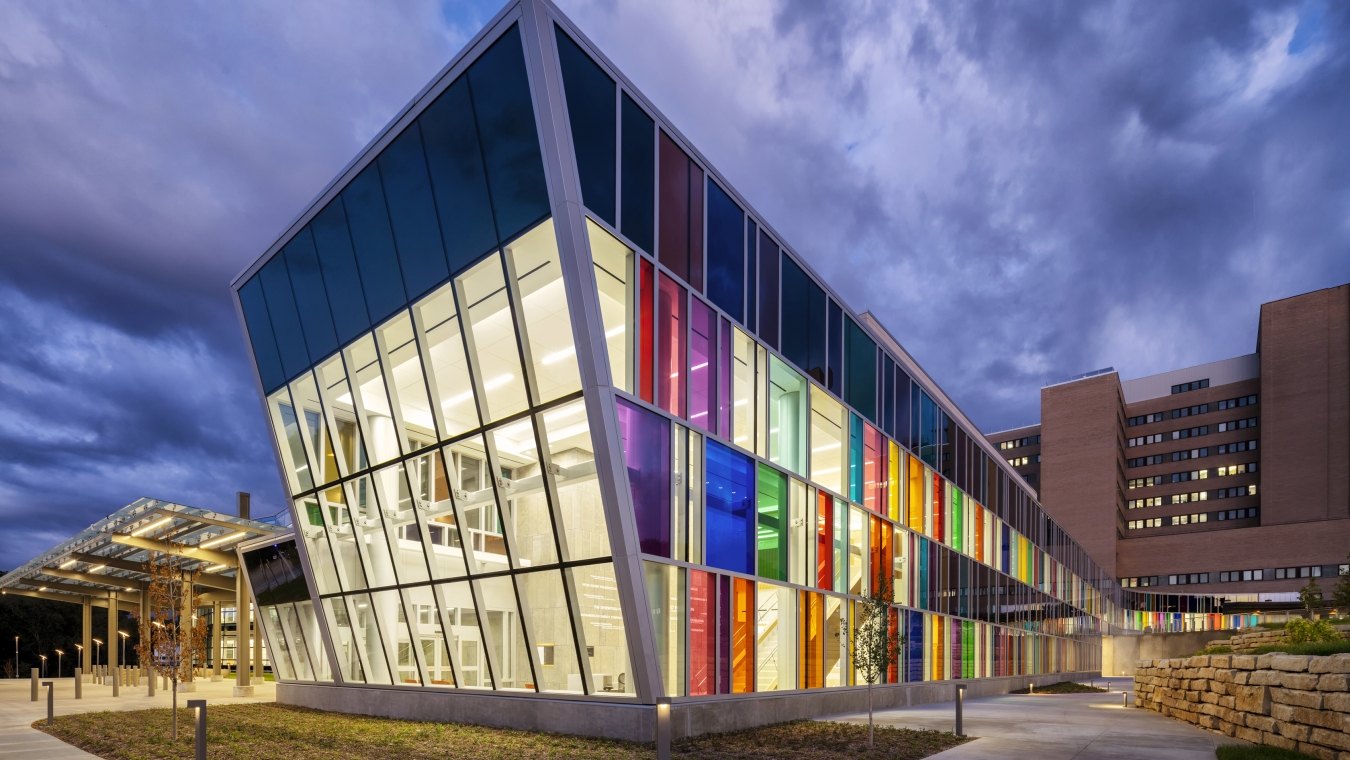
<point x="861" y="380"/>
<point x="855" y="458"/>
<point x="373" y="242"/>
<point x="260" y="335"/>
<point x="412" y="213"/>
<point x="639" y="175"/>
<point x="645" y="437"/>
<point x="311" y="299"/>
<point x="915" y="644"/>
<point x="341" y="278"/>
<point x="1006" y="549"/>
<point x="590" y="112"/>
<point x="455" y="160"/>
<point x="515" y="170"/>
<point x="731" y="509"/>
<point x="726" y="252"/>
<point x="285" y="319"/>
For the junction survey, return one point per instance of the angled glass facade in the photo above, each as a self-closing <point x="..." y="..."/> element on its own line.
<point x="559" y="414"/>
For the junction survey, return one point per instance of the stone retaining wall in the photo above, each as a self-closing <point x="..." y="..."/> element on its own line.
<point x="1296" y="702"/>
<point x="1261" y="637"/>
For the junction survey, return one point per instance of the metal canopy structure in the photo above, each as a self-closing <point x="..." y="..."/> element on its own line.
<point x="112" y="556"/>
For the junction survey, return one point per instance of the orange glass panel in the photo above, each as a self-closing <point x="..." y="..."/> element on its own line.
<point x="743" y="636"/>
<point x="811" y="671"/>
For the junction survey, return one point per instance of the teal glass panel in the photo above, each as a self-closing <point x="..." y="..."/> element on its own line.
<point x="860" y="388"/>
<point x="855" y="458"/>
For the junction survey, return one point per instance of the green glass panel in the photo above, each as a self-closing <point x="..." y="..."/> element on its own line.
<point x="771" y="535"/>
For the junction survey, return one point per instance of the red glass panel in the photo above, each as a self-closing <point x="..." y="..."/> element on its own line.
<point x="824" y="541"/>
<point x="670" y="365"/>
<point x="939" y="524"/>
<point x="647" y="337"/>
<point x="702" y="639"/>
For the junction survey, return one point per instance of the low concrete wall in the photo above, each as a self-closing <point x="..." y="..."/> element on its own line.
<point x="1120" y="653"/>
<point x="633" y="722"/>
<point x="1295" y="702"/>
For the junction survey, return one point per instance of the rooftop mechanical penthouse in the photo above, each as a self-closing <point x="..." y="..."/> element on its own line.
<point x="569" y="428"/>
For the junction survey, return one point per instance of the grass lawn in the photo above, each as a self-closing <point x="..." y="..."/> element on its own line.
<point x="1321" y="648"/>
<point x="279" y="732"/>
<point x="1064" y="687"/>
<point x="1240" y="752"/>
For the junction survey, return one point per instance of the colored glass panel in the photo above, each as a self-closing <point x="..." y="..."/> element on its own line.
<point x="726" y="252"/>
<point x="702" y="633"/>
<point x="787" y="417"/>
<point x="646" y="326"/>
<point x="811" y="672"/>
<point x="637" y="174"/>
<point x="768" y="290"/>
<point x="855" y="458"/>
<point x="771" y="533"/>
<point x="670" y="366"/>
<point x="824" y="541"/>
<point x="702" y="365"/>
<point x="645" y="437"/>
<point x="730" y="509"/>
<point x="743" y="632"/>
<point x="590" y="113"/>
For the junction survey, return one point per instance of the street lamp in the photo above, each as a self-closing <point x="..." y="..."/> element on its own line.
<point x="98" y="648"/>
<point x="43" y="657"/>
<point x="60" y="655"/>
<point x="123" y="635"/>
<point x="80" y="656"/>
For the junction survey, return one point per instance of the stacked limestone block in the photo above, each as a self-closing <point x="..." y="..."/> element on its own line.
<point x="1296" y="702"/>
<point x="1262" y="637"/>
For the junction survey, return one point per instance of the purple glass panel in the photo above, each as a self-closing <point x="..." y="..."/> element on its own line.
<point x="702" y="364"/>
<point x="723" y="634"/>
<point x="646" y="452"/>
<point x="724" y="381"/>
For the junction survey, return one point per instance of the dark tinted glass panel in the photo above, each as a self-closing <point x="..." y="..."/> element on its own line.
<point x="834" y="372"/>
<point x="696" y="227"/>
<point x="862" y="371"/>
<point x="639" y="174"/>
<point x="515" y="170"/>
<point x="455" y="160"/>
<point x="590" y="112"/>
<point x="341" y="278"/>
<point x="285" y="320"/>
<point x="726" y="252"/>
<point x="927" y="429"/>
<point x="260" y="333"/>
<point x="373" y="242"/>
<point x="412" y="213"/>
<point x="731" y="511"/>
<point x="276" y="574"/>
<point x="673" y="251"/>
<point x="888" y="397"/>
<point x="310" y="297"/>
<point x="768" y="290"/>
<point x="804" y="320"/>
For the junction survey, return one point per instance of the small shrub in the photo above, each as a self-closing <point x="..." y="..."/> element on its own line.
<point x="1320" y="649"/>
<point x="1300" y="631"/>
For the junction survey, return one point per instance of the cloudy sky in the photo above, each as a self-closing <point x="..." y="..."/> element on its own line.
<point x="1022" y="191"/>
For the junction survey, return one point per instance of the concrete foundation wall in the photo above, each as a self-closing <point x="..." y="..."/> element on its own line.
<point x="1120" y="653"/>
<point x="632" y="722"/>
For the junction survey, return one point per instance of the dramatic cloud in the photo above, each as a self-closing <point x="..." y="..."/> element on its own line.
<point x="1021" y="192"/>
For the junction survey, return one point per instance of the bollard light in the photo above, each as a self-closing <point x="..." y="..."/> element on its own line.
<point x="1032" y="688"/>
<point x="960" y="707"/>
<point x="198" y="707"/>
<point x="1124" y="699"/>
<point x="51" y="700"/>
<point x="663" y="728"/>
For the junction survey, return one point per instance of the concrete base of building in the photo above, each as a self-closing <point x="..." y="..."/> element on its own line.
<point x="1120" y="653"/>
<point x="243" y="691"/>
<point x="186" y="687"/>
<point x="217" y="679"/>
<point x="634" y="722"/>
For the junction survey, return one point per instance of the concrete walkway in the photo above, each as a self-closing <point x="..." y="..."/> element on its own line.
<point x="20" y="741"/>
<point x="1059" y="727"/>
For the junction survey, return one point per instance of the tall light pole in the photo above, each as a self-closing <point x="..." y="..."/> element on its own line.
<point x="98" y="648"/>
<point x="123" y="635"/>
<point x="80" y="657"/>
<point x="43" y="657"/>
<point x="60" y="655"/>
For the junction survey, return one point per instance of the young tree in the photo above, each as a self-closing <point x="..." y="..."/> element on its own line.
<point x="1340" y="595"/>
<point x="875" y="645"/>
<point x="172" y="637"/>
<point x="1310" y="596"/>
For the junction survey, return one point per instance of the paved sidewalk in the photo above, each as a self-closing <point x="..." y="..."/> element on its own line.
<point x="1059" y="727"/>
<point x="19" y="741"/>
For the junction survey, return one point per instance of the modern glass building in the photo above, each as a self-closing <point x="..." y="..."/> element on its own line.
<point x="569" y="428"/>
